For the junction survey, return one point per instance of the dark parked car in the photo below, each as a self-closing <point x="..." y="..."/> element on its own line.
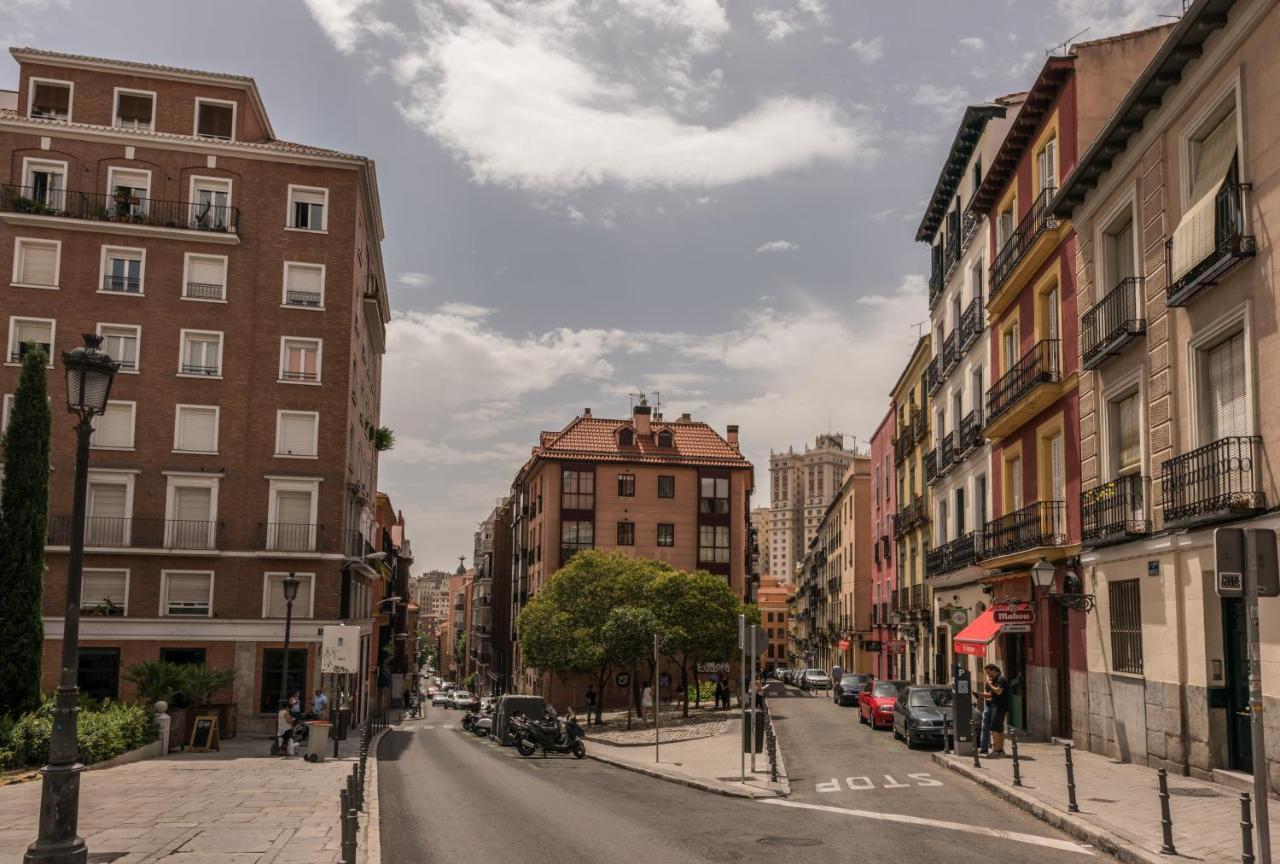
<point x="922" y="714"/>
<point x="846" y="689"/>
<point x="876" y="701"/>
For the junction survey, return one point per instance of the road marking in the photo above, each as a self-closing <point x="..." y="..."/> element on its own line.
<point x="1016" y="836"/>
<point x="863" y="783"/>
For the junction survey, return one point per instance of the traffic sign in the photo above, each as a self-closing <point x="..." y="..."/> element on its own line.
<point x="1228" y="544"/>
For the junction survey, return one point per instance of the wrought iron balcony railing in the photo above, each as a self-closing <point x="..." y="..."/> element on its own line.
<point x="931" y="466"/>
<point x="122" y="209"/>
<point x="950" y="352"/>
<point x="121" y="284"/>
<point x="961" y="552"/>
<point x="917" y="597"/>
<point x="970" y="325"/>
<point x="111" y="532"/>
<point x="1112" y="323"/>
<point x="919" y="426"/>
<point x="935" y="281"/>
<point x="291" y="536"/>
<point x="204" y="291"/>
<point x="1115" y="511"/>
<point x="1037" y="220"/>
<point x="1232" y="244"/>
<point x="934" y="375"/>
<point x="1038" y="366"/>
<point x="946" y="453"/>
<point x="970" y="435"/>
<point x="1217" y="481"/>
<point x="1043" y="523"/>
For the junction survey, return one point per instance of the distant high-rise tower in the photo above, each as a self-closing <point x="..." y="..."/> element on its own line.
<point x="802" y="485"/>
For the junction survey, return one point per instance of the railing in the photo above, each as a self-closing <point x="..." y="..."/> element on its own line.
<point x="936" y="280"/>
<point x="112" y="532"/>
<point x="917" y="597"/>
<point x="1112" y="323"/>
<point x="291" y="536"/>
<point x="946" y="453"/>
<point x="911" y="516"/>
<point x="1038" y="366"/>
<point x="950" y="352"/>
<point x="356" y="546"/>
<point x="970" y="432"/>
<point x="195" y="369"/>
<point x="130" y="210"/>
<point x="1231" y="245"/>
<point x="1212" y="482"/>
<point x="16" y="356"/>
<point x="934" y="375"/>
<point x="951" y="251"/>
<point x="919" y="426"/>
<point x="1043" y="523"/>
<point x="1114" y="511"/>
<point x="901" y="599"/>
<point x="968" y="225"/>
<point x="931" y="466"/>
<point x="970" y="325"/>
<point x="290" y="375"/>
<point x="121" y="284"/>
<point x="310" y="299"/>
<point x="1038" y="220"/>
<point x="961" y="552"/>
<point x="204" y="291"/>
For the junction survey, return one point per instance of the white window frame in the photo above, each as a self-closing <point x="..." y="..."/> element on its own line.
<point x="133" y="426"/>
<point x="137" y="335"/>
<point x="196" y="181"/>
<point x="315" y="434"/>
<point x="132" y="91"/>
<point x="1204" y="338"/>
<point x="1104" y="281"/>
<point x="124" y="570"/>
<point x="282" y="484"/>
<point x="116" y="477"/>
<point x="284" y="289"/>
<point x="176" y="479"/>
<point x="177" y="427"/>
<point x="111" y="174"/>
<point x="18" y="243"/>
<point x="195" y="118"/>
<point x="32" y="81"/>
<point x="164" y="590"/>
<point x="266" y="589"/>
<point x="1201" y="124"/>
<point x="186" y="276"/>
<point x="183" y="335"/>
<point x="36" y="162"/>
<point x="13" y="333"/>
<point x="105" y="254"/>
<point x="319" y="346"/>
<point x="1113" y="392"/>
<point x="288" y="216"/>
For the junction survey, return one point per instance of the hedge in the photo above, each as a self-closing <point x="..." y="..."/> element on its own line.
<point x="104" y="731"/>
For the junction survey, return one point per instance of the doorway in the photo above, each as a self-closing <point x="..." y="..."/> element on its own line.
<point x="1234" y="634"/>
<point x="1015" y="671"/>
<point x="940" y="669"/>
<point x="1062" y="663"/>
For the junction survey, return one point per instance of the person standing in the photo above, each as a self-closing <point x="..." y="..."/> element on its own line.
<point x="320" y="705"/>
<point x="591" y="704"/>
<point x="646" y="701"/>
<point x="719" y="693"/>
<point x="997" y="689"/>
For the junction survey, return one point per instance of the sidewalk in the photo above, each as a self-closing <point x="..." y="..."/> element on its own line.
<point x="1119" y="803"/>
<point x="712" y="764"/>
<point x="237" y="806"/>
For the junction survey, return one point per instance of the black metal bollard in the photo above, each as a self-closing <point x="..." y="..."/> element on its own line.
<point x="771" y="743"/>
<point x="353" y="830"/>
<point x="1017" y="770"/>
<point x="359" y="787"/>
<point x="348" y="841"/>
<point x="1246" y="829"/>
<point x="353" y="798"/>
<point x="1072" y="807"/>
<point x="1166" y="819"/>
<point x="948" y="745"/>
<point x="977" y="739"/>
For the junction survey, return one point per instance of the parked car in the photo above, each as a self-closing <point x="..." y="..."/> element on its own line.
<point x="816" y="679"/>
<point x="440" y="698"/>
<point x="849" y="686"/>
<point x="922" y="714"/>
<point x="458" y="699"/>
<point x="779" y="673"/>
<point x="876" y="701"/>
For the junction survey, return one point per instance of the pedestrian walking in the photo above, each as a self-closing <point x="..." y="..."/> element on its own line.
<point x="646" y="701"/>
<point x="997" y="690"/>
<point x="721" y="698"/>
<point x="320" y="705"/>
<point x="591" y="705"/>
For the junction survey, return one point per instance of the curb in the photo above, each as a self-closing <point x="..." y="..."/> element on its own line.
<point x="1104" y="841"/>
<point x="691" y="782"/>
<point x="369" y="849"/>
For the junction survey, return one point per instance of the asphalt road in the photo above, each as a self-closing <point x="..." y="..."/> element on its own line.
<point x="446" y="795"/>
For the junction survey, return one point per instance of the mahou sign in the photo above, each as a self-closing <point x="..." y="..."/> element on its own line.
<point x="1020" y="613"/>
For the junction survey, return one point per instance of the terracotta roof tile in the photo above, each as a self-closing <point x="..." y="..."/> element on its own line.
<point x="597" y="438"/>
<point x="132" y="64"/>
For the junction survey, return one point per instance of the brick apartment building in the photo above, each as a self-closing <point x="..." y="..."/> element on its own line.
<point x="238" y="279"/>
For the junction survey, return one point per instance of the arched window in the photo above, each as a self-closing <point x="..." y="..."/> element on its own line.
<point x="626" y="437"/>
<point x="665" y="438"/>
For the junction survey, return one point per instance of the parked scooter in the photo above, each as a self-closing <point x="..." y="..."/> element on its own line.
<point x="552" y="735"/>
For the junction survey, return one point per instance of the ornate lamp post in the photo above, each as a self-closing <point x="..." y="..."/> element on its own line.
<point x="89" y="374"/>
<point x="291" y="583"/>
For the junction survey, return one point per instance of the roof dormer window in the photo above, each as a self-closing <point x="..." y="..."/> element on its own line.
<point x="665" y="438"/>
<point x="626" y="437"/>
<point x="50" y="99"/>
<point x="215" y="119"/>
<point x="135" y="109"/>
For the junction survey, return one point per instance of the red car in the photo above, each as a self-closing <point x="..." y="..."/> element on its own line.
<point x="876" y="701"/>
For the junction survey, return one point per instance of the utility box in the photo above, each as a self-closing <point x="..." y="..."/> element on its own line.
<point x="756" y="731"/>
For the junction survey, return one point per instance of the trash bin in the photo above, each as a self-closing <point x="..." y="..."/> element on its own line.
<point x="317" y="739"/>
<point x="757" y="731"/>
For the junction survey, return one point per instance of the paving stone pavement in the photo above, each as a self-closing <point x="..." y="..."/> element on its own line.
<point x="239" y="806"/>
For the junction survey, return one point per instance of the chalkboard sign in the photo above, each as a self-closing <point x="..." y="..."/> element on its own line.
<point x="204" y="735"/>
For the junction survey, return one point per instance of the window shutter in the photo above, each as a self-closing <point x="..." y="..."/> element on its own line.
<point x="39" y="263"/>
<point x="1194" y="238"/>
<point x="187" y="591"/>
<point x="1129" y="445"/>
<point x="1051" y="310"/>
<point x="1226" y="406"/>
<point x="207" y="271"/>
<point x="103" y="587"/>
<point x="1057" y="477"/>
<point x="1015" y="477"/>
<point x="304" y="278"/>
<point x="1123" y="266"/>
<point x="115" y="427"/>
<point x="108" y="501"/>
<point x="198" y="430"/>
<point x="297" y="434"/>
<point x="293" y="508"/>
<point x="275" y="596"/>
<point x="1049" y="165"/>
<point x="191" y="503"/>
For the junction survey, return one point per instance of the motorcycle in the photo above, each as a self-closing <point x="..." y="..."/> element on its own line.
<point x="469" y="720"/>
<point x="552" y="735"/>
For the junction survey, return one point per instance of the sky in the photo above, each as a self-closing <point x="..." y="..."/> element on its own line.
<point x="710" y="201"/>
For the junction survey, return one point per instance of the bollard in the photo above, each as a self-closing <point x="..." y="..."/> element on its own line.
<point x="1017" y="770"/>
<point x="352" y="800"/>
<point x="359" y="787"/>
<point x="771" y="742"/>
<point x="1246" y="830"/>
<point x="348" y="843"/>
<point x="1166" y="820"/>
<point x="948" y="742"/>
<point x="977" y="739"/>
<point x="1072" y="807"/>
<point x="353" y="830"/>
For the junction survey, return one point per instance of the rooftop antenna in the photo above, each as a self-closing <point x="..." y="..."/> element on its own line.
<point x="919" y="325"/>
<point x="657" y="403"/>
<point x="637" y="395"/>
<point x="1062" y="46"/>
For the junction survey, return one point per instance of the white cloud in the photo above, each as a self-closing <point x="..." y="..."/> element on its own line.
<point x="704" y="20"/>
<point x="415" y="279"/>
<point x="465" y="310"/>
<point x="342" y="20"/>
<point x="868" y="51"/>
<point x="946" y="101"/>
<point x="970" y="45"/>
<point x="1110" y="17"/>
<point x="777" y="246"/>
<point x="17" y="16"/>
<point x="792" y="16"/>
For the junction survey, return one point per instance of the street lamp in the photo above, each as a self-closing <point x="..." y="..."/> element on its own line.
<point x="89" y="374"/>
<point x="1042" y="574"/>
<point x="291" y="583"/>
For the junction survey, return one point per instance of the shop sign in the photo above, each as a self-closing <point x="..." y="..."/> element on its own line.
<point x="873" y="646"/>
<point x="1020" y="614"/>
<point x="844" y="644"/>
<point x="898" y="646"/>
<point x="1015" y="628"/>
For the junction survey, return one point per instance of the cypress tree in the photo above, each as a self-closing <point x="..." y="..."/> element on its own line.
<point x="24" y="509"/>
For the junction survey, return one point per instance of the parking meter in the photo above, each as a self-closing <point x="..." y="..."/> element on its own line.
<point x="962" y="708"/>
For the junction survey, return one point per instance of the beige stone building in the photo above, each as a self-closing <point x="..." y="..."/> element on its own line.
<point x="802" y="484"/>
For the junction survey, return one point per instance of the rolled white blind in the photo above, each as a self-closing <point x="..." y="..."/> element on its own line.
<point x="103" y="587"/>
<point x="188" y="589"/>
<point x="107" y="501"/>
<point x="1224" y="373"/>
<point x="297" y="434"/>
<point x="275" y="596"/>
<point x="191" y="503"/>
<point x="197" y="429"/>
<point x="208" y="271"/>
<point x="33" y="331"/>
<point x="304" y="278"/>
<point x="1129" y="447"/>
<point x="38" y="263"/>
<point x="293" y="508"/>
<point x="115" y="427"/>
<point x="303" y="196"/>
<point x="1193" y="239"/>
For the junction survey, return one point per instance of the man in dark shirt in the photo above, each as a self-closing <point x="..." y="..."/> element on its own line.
<point x="996" y="691"/>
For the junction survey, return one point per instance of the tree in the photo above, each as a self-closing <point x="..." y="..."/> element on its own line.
<point x="197" y="682"/>
<point x="698" y="616"/>
<point x="627" y="635"/>
<point x="24" y="510"/>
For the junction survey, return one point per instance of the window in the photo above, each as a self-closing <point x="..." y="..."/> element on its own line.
<point x="187" y="593"/>
<point x="626" y="485"/>
<point x="211" y="204"/>
<point x="49" y="99"/>
<point x="626" y="437"/>
<point x="122" y="270"/>
<point x="1126" y="443"/>
<point x="714" y="496"/>
<point x="1004" y="225"/>
<point x="713" y="544"/>
<point x="104" y="592"/>
<point x="196" y="429"/>
<point x="975" y="281"/>
<point x="120" y="342"/>
<point x="626" y="533"/>
<point x="666" y="486"/>
<point x="296" y="433"/>
<point x="184" y="656"/>
<point x="300" y="360"/>
<point x="25" y="332"/>
<point x="273" y="602"/>
<point x="1047" y="164"/>
<point x="135" y="109"/>
<point x="201" y="353"/>
<point x="108" y="505"/>
<point x="1224" y="404"/>
<point x="113" y="430"/>
<point x="575" y="535"/>
<point x="1117" y="250"/>
<point x="1126" y="626"/>
<point x="98" y="672"/>
<point x="577" y="490"/>
<point x="215" y="119"/>
<point x="308" y="208"/>
<point x="36" y="262"/>
<point x="44" y="183"/>
<point x="666" y="534"/>
<point x="665" y="438"/>
<point x="128" y="191"/>
<point x="191" y="510"/>
<point x="1211" y="155"/>
<point x="205" y="277"/>
<point x="304" y="285"/>
<point x="273" y="670"/>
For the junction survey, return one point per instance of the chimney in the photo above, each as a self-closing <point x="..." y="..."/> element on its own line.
<point x="733" y="435"/>
<point x="686" y="418"/>
<point x="640" y="417"/>
<point x="586" y="412"/>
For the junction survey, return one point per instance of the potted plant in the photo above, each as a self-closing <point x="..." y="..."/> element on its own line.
<point x="125" y="201"/>
<point x="156" y="680"/>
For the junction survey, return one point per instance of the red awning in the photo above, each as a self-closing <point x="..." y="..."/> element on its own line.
<point x="975" y="638"/>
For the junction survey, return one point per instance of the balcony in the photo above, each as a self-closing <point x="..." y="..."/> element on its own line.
<point x="949" y="557"/>
<point x="290" y="536"/>
<point x="931" y="466"/>
<point x="1021" y="534"/>
<point x="204" y="291"/>
<point x="1033" y="382"/>
<point x="1023" y="253"/>
<point x="946" y="453"/>
<point x="1211" y="483"/>
<point x="1112" y="323"/>
<point x="970" y="434"/>
<point x="121" y="284"/>
<point x="1115" y="512"/>
<point x="910" y="517"/>
<point x="919" y="426"/>
<point x="884" y="546"/>
<point x="34" y="205"/>
<point x="933" y="375"/>
<point x="968" y="227"/>
<point x="950" y="353"/>
<point x="306" y="299"/>
<point x="110" y="532"/>
<point x="916" y="599"/>
<point x="951" y="250"/>
<point x="1231" y="246"/>
<point x="936" y="281"/>
<point x="971" y="325"/>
